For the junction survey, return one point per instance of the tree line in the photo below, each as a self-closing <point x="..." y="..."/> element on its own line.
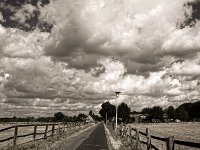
<point x="57" y="117"/>
<point x="184" y="112"/>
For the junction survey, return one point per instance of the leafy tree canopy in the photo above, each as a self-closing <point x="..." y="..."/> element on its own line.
<point x="107" y="108"/>
<point x="170" y="112"/>
<point x="123" y="112"/>
<point x="59" y="116"/>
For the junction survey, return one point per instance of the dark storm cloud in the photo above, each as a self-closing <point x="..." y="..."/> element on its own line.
<point x="9" y="8"/>
<point x="191" y="20"/>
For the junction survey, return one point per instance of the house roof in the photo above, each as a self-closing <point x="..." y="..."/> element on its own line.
<point x="89" y="119"/>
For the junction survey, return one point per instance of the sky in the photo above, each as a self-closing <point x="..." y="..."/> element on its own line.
<point x="73" y="55"/>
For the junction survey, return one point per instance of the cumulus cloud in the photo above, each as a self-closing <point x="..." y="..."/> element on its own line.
<point x="147" y="50"/>
<point x="187" y="67"/>
<point x="23" y="45"/>
<point x="141" y="34"/>
<point x="183" y="42"/>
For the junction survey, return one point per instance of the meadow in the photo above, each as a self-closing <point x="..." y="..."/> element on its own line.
<point x="21" y="131"/>
<point x="181" y="131"/>
<point x="50" y="143"/>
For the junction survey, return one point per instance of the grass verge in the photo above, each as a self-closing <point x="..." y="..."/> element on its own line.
<point x="51" y="143"/>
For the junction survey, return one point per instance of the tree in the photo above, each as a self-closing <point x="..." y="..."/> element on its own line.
<point x="123" y="112"/>
<point x="59" y="116"/>
<point x="81" y="117"/>
<point x="187" y="106"/>
<point x="194" y="111"/>
<point x="170" y="112"/>
<point x="181" y="113"/>
<point x="146" y="111"/>
<point x="91" y="114"/>
<point x="14" y="119"/>
<point x="97" y="118"/>
<point x="107" y="108"/>
<point x="156" y="112"/>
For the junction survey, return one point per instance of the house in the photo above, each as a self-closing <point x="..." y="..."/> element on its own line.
<point x="138" y="117"/>
<point x="166" y="119"/>
<point x="89" y="119"/>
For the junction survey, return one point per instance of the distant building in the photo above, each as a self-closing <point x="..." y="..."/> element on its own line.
<point x="138" y="118"/>
<point x="166" y="119"/>
<point x="89" y="119"/>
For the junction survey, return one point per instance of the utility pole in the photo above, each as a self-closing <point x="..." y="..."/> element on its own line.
<point x="117" y="95"/>
<point x="106" y="118"/>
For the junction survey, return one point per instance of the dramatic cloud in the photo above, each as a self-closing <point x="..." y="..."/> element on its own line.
<point x="138" y="33"/>
<point x="72" y="55"/>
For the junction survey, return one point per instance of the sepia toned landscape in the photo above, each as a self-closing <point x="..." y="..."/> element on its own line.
<point x="100" y="74"/>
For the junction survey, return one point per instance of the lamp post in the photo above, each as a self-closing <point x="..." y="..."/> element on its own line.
<point x="117" y="95"/>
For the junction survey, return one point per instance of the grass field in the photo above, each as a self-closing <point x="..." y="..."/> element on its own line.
<point x="51" y="142"/>
<point x="180" y="131"/>
<point x="21" y="131"/>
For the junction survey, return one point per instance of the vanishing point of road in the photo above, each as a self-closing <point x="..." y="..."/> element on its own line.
<point x="92" y="139"/>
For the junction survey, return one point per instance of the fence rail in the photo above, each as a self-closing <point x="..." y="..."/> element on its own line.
<point x="61" y="128"/>
<point x="126" y="132"/>
<point x="6" y="128"/>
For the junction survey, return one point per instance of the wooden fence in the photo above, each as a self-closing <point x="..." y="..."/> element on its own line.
<point x="131" y="134"/>
<point x="60" y="129"/>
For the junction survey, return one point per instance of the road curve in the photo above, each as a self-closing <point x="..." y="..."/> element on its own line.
<point x="92" y="139"/>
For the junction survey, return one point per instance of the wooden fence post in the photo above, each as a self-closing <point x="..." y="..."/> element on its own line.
<point x="53" y="127"/>
<point x="45" y="132"/>
<point x="119" y="131"/>
<point x="137" y="138"/>
<point x="122" y="130"/>
<point x="67" y="126"/>
<point x="15" y="136"/>
<point x="132" y="138"/>
<point x="63" y="126"/>
<point x="34" y="132"/>
<point x="59" y="128"/>
<point x="130" y="133"/>
<point x="125" y="131"/>
<point x="170" y="143"/>
<point x="148" y="139"/>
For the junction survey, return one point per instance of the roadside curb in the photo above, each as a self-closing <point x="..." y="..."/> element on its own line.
<point x="110" y="146"/>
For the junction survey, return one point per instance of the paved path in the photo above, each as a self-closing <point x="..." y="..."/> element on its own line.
<point x="92" y="139"/>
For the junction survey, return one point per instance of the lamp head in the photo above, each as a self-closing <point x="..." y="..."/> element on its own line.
<point x="117" y="94"/>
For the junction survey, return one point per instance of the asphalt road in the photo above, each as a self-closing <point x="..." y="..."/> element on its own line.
<point x="92" y="139"/>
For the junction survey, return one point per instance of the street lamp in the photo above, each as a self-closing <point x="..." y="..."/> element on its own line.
<point x="117" y="95"/>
